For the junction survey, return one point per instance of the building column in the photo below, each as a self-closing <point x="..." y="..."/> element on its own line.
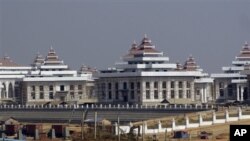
<point x="184" y="89"/>
<point x="143" y="90"/>
<point x="205" y="93"/>
<point x="7" y="89"/>
<point x="176" y="90"/>
<point x="202" y="95"/>
<point x="151" y="89"/>
<point x="168" y="89"/>
<point x="192" y="90"/>
<point x="237" y="93"/>
<point x="160" y="89"/>
<point x="241" y="94"/>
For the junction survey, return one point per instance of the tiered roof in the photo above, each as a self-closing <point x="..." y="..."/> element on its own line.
<point x="39" y="60"/>
<point x="52" y="58"/>
<point x="146" y="46"/>
<point x="244" y="53"/>
<point x="190" y="64"/>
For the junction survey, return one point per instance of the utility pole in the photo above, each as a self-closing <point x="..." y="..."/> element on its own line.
<point x="82" y="122"/>
<point x="95" y="123"/>
<point x="143" y="130"/>
<point x="166" y="135"/>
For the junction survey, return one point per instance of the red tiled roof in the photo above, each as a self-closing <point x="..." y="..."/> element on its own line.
<point x="245" y="51"/>
<point x="190" y="64"/>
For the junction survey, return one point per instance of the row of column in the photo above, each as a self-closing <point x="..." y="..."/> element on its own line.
<point x="4" y="89"/>
<point x="240" y="90"/>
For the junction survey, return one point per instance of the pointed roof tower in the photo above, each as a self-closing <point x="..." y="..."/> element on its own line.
<point x="39" y="60"/>
<point x="244" y="53"/>
<point x="7" y="62"/>
<point x="52" y="58"/>
<point x="190" y="64"/>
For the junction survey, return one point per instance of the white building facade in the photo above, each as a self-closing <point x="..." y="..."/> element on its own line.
<point x="232" y="83"/>
<point x="147" y="77"/>
<point x="51" y="81"/>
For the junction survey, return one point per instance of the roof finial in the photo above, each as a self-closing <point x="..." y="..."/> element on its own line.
<point x="51" y="47"/>
<point x="134" y="42"/>
<point x="145" y="35"/>
<point x="246" y="43"/>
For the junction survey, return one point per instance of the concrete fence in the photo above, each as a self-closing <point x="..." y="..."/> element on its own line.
<point x="108" y="106"/>
<point x="144" y="128"/>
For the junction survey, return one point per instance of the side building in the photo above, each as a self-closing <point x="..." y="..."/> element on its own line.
<point x="11" y="75"/>
<point x="51" y="81"/>
<point x="231" y="85"/>
<point x="147" y="77"/>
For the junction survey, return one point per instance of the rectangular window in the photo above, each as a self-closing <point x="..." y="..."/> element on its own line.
<point x="155" y="84"/>
<point x="172" y="93"/>
<point x="51" y="95"/>
<point x="116" y="85"/>
<point x="172" y="84"/>
<point x="180" y="84"/>
<point x="221" y="92"/>
<point x="138" y="85"/>
<point x="147" y="94"/>
<point x="41" y="88"/>
<point x="132" y="95"/>
<point x="164" y="84"/>
<point x="33" y="88"/>
<point x="124" y="85"/>
<point x="116" y="95"/>
<point x="221" y="85"/>
<point x="71" y="87"/>
<point x="156" y="95"/>
<point x="33" y="95"/>
<point x="61" y="87"/>
<point x="51" y="88"/>
<point x="131" y="85"/>
<point x="41" y="95"/>
<point x="109" y="86"/>
<point x="188" y="84"/>
<point x="164" y="94"/>
<point x="80" y="92"/>
<point x="188" y="94"/>
<point x="147" y="85"/>
<point x="180" y="94"/>
<point x="110" y="95"/>
<point x="79" y="87"/>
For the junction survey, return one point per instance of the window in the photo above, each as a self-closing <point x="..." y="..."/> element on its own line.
<point x="80" y="93"/>
<point x="41" y="95"/>
<point x="155" y="84"/>
<point x="180" y="84"/>
<point x="188" y="94"/>
<point x="147" y="85"/>
<point x="147" y="94"/>
<point x="72" y="96"/>
<point x="116" y="95"/>
<point x="51" y="96"/>
<point x="79" y="87"/>
<point x="33" y="95"/>
<point x="164" y="94"/>
<point x="33" y="88"/>
<point x="164" y="84"/>
<point x="188" y="84"/>
<point x="138" y="85"/>
<point x="180" y="94"/>
<point x="51" y="88"/>
<point x="221" y="85"/>
<point x="221" y="92"/>
<point x="132" y="95"/>
<point x="110" y="95"/>
<point x="41" y="88"/>
<point x="124" y="85"/>
<point x="230" y="90"/>
<point x="172" y="84"/>
<point x="109" y="86"/>
<point x="172" y="93"/>
<point x="131" y="85"/>
<point x="116" y="85"/>
<point x="156" y="96"/>
<point x="61" y="87"/>
<point x="71" y="87"/>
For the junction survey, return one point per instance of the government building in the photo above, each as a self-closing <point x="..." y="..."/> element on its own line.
<point x="145" y="76"/>
<point x="232" y="85"/>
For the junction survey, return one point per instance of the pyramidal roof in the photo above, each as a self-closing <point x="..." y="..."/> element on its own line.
<point x="190" y="64"/>
<point x="244" y="53"/>
<point x="147" y="46"/>
<point x="39" y="59"/>
<point x="52" y="58"/>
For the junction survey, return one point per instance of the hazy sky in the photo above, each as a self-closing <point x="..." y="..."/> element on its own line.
<point x="99" y="32"/>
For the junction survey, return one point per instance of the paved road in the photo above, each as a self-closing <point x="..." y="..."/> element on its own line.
<point x="74" y="115"/>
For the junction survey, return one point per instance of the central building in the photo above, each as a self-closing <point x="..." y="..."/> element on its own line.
<point x="145" y="76"/>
